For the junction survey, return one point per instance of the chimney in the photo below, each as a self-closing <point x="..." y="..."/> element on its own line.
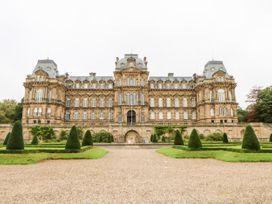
<point x="93" y="74"/>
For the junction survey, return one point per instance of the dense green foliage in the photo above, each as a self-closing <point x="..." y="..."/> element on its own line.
<point x="264" y="105"/>
<point x="63" y="135"/>
<point x="103" y="136"/>
<point x="250" y="140"/>
<point x="163" y="129"/>
<point x="35" y="140"/>
<point x="178" y="138"/>
<point x="43" y="132"/>
<point x="73" y="140"/>
<point x="225" y="138"/>
<point x="242" y="115"/>
<point x="194" y="140"/>
<point x="154" y="138"/>
<point x="10" y="111"/>
<point x="16" y="140"/>
<point x="6" y="139"/>
<point x="270" y="138"/>
<point x="80" y="133"/>
<point x="216" y="136"/>
<point x="163" y="139"/>
<point x="87" y="139"/>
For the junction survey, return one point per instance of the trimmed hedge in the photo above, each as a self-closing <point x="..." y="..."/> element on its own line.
<point x="178" y="138"/>
<point x="6" y="139"/>
<point x="73" y="143"/>
<point x="103" y="137"/>
<point x="35" y="140"/>
<point x="16" y="140"/>
<point x="225" y="138"/>
<point x="194" y="140"/>
<point x="250" y="140"/>
<point x="87" y="139"/>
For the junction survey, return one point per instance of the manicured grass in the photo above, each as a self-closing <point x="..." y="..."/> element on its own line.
<point x="218" y="154"/>
<point x="94" y="153"/>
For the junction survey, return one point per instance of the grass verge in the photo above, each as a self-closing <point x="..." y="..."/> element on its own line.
<point x="30" y="158"/>
<point x="222" y="155"/>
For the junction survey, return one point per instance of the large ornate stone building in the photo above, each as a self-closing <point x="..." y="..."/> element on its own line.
<point x="129" y="99"/>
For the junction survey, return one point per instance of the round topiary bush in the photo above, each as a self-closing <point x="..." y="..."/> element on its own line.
<point x="16" y="140"/>
<point x="73" y="140"/>
<point x="194" y="140"/>
<point x="87" y="139"/>
<point x="250" y="140"/>
<point x="35" y="140"/>
<point x="6" y="139"/>
<point x="225" y="138"/>
<point x="178" y="138"/>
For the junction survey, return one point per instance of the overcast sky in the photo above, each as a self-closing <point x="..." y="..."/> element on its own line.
<point x="175" y="36"/>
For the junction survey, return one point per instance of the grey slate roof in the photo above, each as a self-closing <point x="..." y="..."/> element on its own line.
<point x="212" y="67"/>
<point x="49" y="66"/>
<point x="160" y="78"/>
<point x="123" y="63"/>
<point x="90" y="78"/>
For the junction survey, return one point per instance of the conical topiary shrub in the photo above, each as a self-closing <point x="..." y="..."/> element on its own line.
<point x="73" y="143"/>
<point x="270" y="138"/>
<point x="6" y="139"/>
<point x="16" y="140"/>
<point x="87" y="139"/>
<point x="225" y="138"/>
<point x="163" y="139"/>
<point x="178" y="138"/>
<point x="250" y="140"/>
<point x="194" y="140"/>
<point x="35" y="140"/>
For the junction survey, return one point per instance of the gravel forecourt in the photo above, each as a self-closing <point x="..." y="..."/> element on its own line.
<point x="131" y="175"/>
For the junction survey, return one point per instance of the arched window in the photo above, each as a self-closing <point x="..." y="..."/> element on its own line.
<point x="169" y="115"/>
<point x="194" y="115"/>
<point x="177" y="115"/>
<point x="160" y="102"/>
<point x="176" y="102"/>
<point x="185" y="115"/>
<point x="85" y="102"/>
<point x="152" y="102"/>
<point x="212" y="112"/>
<point x="152" y="115"/>
<point x="168" y="102"/>
<point x="221" y="95"/>
<point x="160" y="115"/>
<point x="110" y="103"/>
<point x="39" y="95"/>
<point x="101" y="103"/>
<point x="76" y="102"/>
<point x="184" y="102"/>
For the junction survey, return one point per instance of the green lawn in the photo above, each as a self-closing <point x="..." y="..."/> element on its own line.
<point x="227" y="156"/>
<point x="25" y="158"/>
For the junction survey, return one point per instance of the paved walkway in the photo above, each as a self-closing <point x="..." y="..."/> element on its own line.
<point x="136" y="176"/>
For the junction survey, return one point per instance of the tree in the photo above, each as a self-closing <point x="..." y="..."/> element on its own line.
<point x="43" y="132"/>
<point x="264" y="105"/>
<point x="73" y="140"/>
<point x="250" y="140"/>
<point x="194" y="140"/>
<point x="178" y="138"/>
<point x="270" y="138"/>
<point x="16" y="140"/>
<point x="87" y="139"/>
<point x="6" y="139"/>
<point x="7" y="111"/>
<point x="225" y="138"/>
<point x="242" y="115"/>
<point x="35" y="140"/>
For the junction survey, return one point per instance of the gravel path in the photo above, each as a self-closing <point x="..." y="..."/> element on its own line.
<point x="136" y="176"/>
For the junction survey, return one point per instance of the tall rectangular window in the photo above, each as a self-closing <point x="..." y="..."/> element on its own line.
<point x="152" y="102"/>
<point x="76" y="115"/>
<point x="77" y="102"/>
<point x="85" y="115"/>
<point x="68" y="102"/>
<point x="85" y="102"/>
<point x="168" y="102"/>
<point x="67" y="115"/>
<point x="160" y="102"/>
<point x="176" y="102"/>
<point x="39" y="95"/>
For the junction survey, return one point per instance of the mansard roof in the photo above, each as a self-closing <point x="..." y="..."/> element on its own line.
<point x="170" y="77"/>
<point x="130" y="61"/>
<point x="47" y="65"/>
<point x="90" y="78"/>
<point x="212" y="67"/>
